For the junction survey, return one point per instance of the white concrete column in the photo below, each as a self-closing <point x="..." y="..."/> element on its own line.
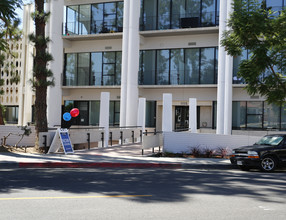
<point x="124" y="67"/>
<point x="54" y="94"/>
<point x="221" y="70"/>
<point x="133" y="64"/>
<point x="167" y="124"/>
<point x="141" y="113"/>
<point x="26" y="92"/>
<point x="193" y="115"/>
<point x="228" y="84"/>
<point x="104" y="115"/>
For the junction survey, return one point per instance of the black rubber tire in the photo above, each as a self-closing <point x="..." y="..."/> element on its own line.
<point x="268" y="164"/>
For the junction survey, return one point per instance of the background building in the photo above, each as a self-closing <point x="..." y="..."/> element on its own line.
<point x="18" y="98"/>
<point x="145" y="48"/>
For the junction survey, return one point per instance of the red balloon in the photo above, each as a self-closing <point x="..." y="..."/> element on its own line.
<point x="74" y="112"/>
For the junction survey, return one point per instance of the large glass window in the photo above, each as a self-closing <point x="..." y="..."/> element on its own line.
<point x="147" y="67"/>
<point x="83" y="69"/>
<point x="90" y="112"/>
<point x="207" y="65"/>
<point x="163" y="58"/>
<point x="11" y="114"/>
<point x="192" y="64"/>
<point x="171" y="14"/>
<point x="258" y="115"/>
<point x="95" y="18"/>
<point x="100" y="68"/>
<point x="178" y="66"/>
<point x="71" y="69"/>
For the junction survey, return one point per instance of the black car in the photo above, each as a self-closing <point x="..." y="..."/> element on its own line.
<point x="267" y="154"/>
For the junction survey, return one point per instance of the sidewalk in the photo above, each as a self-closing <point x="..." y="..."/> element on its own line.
<point x="129" y="156"/>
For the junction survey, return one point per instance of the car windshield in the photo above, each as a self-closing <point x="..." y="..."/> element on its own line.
<point x="270" y="140"/>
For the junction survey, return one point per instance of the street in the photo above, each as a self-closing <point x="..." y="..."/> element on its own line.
<point x="141" y="194"/>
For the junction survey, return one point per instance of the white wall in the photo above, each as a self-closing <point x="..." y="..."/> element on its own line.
<point x="178" y="142"/>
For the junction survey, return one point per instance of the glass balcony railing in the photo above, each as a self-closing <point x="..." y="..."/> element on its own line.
<point x="92" y="27"/>
<point x="178" y="21"/>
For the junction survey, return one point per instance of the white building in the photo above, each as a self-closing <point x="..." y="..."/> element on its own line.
<point x="146" y="48"/>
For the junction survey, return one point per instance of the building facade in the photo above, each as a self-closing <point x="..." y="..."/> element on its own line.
<point x="145" y="48"/>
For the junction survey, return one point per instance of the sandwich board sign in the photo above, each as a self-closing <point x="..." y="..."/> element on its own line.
<point x="61" y="138"/>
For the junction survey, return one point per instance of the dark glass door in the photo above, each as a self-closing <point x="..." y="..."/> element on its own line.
<point x="181" y="118"/>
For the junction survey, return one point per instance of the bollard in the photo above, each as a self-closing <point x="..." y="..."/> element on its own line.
<point x="110" y="138"/>
<point x="88" y="141"/>
<point x="45" y="144"/>
<point x="102" y="139"/>
<point x="141" y="136"/>
<point x="121" y="137"/>
<point x="133" y="137"/>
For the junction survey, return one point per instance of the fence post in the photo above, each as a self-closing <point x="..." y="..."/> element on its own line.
<point x="88" y="141"/>
<point x="133" y="137"/>
<point x="141" y="136"/>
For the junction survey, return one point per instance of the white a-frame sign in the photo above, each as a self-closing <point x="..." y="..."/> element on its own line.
<point x="61" y="138"/>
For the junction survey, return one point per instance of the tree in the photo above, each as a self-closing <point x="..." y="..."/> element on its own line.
<point x="262" y="32"/>
<point x="43" y="77"/>
<point x="8" y="31"/>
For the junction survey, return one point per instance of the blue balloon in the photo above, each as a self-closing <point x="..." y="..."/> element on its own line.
<point x="67" y="116"/>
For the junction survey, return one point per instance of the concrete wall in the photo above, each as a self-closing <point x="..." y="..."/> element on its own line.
<point x="13" y="139"/>
<point x="178" y="142"/>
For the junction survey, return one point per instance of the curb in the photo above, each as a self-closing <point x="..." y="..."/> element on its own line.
<point x="14" y="165"/>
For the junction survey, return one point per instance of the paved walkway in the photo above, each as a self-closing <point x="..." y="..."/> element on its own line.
<point x="129" y="156"/>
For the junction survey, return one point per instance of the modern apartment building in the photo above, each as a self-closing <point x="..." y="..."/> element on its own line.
<point x="145" y="48"/>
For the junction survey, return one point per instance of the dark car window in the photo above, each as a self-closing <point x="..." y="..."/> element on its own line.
<point x="270" y="140"/>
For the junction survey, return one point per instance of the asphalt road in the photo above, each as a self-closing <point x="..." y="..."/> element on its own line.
<point x="141" y="194"/>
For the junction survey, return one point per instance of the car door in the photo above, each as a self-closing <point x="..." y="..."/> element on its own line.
<point x="281" y="152"/>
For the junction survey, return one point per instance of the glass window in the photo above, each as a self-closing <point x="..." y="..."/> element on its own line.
<point x="94" y="109"/>
<point x="118" y="68"/>
<point x="72" y="20"/>
<point x="96" y="68"/>
<point x="109" y="17"/>
<point x="163" y="58"/>
<point x="271" y="116"/>
<point x="83" y="69"/>
<point x="97" y="18"/>
<point x="254" y="108"/>
<point x="254" y="114"/>
<point x="164" y="14"/>
<point x="238" y="114"/>
<point x="71" y="69"/>
<point x="192" y="66"/>
<point x="150" y="120"/>
<point x="120" y="16"/>
<point x="84" y="19"/>
<point x="149" y="17"/>
<point x="193" y="8"/>
<point x="108" y="68"/>
<point x="114" y="113"/>
<point x="276" y="5"/>
<point x="236" y="62"/>
<point x="177" y="67"/>
<point x="11" y="114"/>
<point x="178" y="11"/>
<point x="208" y="13"/>
<point x="207" y="65"/>
<point x="147" y="67"/>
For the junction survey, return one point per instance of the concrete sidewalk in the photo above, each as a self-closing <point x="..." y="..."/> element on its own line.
<point x="129" y="156"/>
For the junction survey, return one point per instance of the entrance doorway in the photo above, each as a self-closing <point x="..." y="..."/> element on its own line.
<point x="182" y="118"/>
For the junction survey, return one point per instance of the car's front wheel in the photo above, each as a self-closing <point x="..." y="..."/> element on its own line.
<point x="268" y="164"/>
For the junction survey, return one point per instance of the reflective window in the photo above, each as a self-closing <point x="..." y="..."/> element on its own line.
<point x="84" y="19"/>
<point x="207" y="65"/>
<point x="177" y="67"/>
<point x="100" y="68"/>
<point x="71" y="70"/>
<point x="150" y="120"/>
<point x="11" y="114"/>
<point x="271" y="116"/>
<point x="238" y="115"/>
<point x="147" y="67"/>
<point x="163" y="58"/>
<point x="164" y="14"/>
<point x="192" y="64"/>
